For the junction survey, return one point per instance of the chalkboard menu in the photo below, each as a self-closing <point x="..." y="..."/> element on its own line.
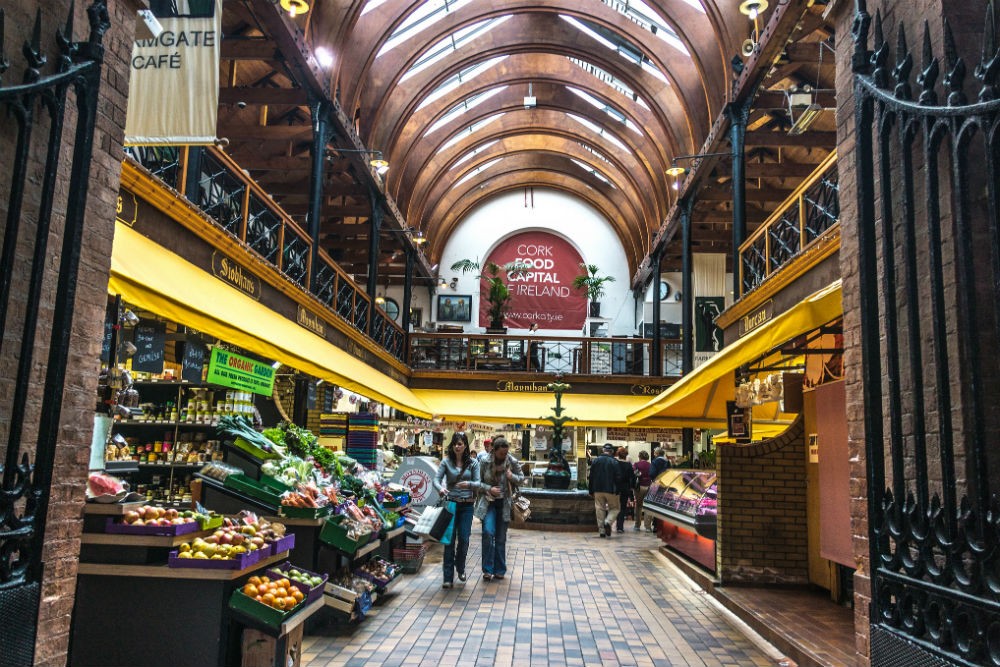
<point x="150" y="336"/>
<point x="328" y="399"/>
<point x="109" y="324"/>
<point x="192" y="360"/>
<point x="311" y="395"/>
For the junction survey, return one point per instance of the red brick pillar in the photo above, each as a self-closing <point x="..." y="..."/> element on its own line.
<point x="62" y="539"/>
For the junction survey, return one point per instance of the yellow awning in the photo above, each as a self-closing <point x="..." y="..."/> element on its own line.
<point x="699" y="398"/>
<point x="155" y="279"/>
<point x="529" y="408"/>
<point x="760" y="432"/>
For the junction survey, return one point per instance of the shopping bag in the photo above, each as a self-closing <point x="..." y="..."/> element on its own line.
<point x="427" y="520"/>
<point x="520" y="508"/>
<point x="444" y="525"/>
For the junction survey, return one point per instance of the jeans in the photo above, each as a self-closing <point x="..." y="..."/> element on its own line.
<point x="495" y="540"/>
<point x="456" y="550"/>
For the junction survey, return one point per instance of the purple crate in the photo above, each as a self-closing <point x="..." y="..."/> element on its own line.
<point x="312" y="594"/>
<point x="286" y="543"/>
<point x="111" y="526"/>
<point x="241" y="563"/>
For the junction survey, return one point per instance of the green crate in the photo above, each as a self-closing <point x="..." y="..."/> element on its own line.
<point x="275" y="484"/>
<point x="210" y="522"/>
<point x="269" y="616"/>
<point x="335" y="535"/>
<point x="253" y="450"/>
<point x="304" y="512"/>
<point x="253" y="489"/>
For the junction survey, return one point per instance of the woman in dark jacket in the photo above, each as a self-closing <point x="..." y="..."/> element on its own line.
<point x="626" y="482"/>
<point x="501" y="477"/>
<point x="458" y="480"/>
<point x="642" y="468"/>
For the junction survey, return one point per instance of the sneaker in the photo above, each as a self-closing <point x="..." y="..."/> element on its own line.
<point x="487" y="576"/>
<point x="446" y="584"/>
<point x="461" y="576"/>
<point x="498" y="576"/>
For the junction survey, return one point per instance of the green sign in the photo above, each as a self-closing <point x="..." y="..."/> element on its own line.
<point x="232" y="370"/>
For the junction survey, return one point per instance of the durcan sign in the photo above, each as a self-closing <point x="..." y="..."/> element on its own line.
<point x="545" y="294"/>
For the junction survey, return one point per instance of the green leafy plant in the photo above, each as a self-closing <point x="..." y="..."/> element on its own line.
<point x="592" y="282"/>
<point x="495" y="276"/>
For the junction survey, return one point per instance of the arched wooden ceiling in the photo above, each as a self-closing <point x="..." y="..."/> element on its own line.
<point x="443" y="166"/>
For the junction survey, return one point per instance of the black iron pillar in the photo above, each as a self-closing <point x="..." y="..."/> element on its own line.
<point x="192" y="173"/>
<point x="687" y="301"/>
<point x="687" y="328"/>
<point x="319" y="111"/>
<point x="407" y="289"/>
<point x="656" y="360"/>
<point x="375" y="221"/>
<point x="738" y="113"/>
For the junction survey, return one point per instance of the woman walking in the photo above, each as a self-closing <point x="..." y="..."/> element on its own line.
<point x="642" y="468"/>
<point x="501" y="476"/>
<point x="457" y="480"/>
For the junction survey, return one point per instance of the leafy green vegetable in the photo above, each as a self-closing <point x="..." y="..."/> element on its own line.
<point x="238" y="426"/>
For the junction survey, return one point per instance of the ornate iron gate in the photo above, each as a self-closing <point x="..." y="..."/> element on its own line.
<point x="928" y="180"/>
<point x="38" y="127"/>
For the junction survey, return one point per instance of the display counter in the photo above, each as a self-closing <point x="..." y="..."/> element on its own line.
<point x="685" y="501"/>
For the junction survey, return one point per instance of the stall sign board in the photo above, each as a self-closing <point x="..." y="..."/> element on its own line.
<point x="109" y="326"/>
<point x="739" y="423"/>
<point x="813" y="448"/>
<point x="150" y="338"/>
<point x="192" y="361"/>
<point x="239" y="372"/>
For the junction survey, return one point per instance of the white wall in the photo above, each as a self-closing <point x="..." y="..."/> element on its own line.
<point x="553" y="211"/>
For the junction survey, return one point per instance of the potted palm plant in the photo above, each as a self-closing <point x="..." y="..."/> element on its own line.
<point x="497" y="292"/>
<point x="594" y="284"/>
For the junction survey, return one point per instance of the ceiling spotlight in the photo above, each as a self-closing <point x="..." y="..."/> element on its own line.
<point x="753" y="8"/>
<point x="419" y="238"/>
<point x="295" y="7"/>
<point x="676" y="170"/>
<point x="380" y="299"/>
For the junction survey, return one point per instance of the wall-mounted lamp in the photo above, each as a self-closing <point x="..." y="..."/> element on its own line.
<point x="676" y="170"/>
<point x="444" y="284"/>
<point x="753" y="8"/>
<point x="377" y="160"/>
<point x="296" y="7"/>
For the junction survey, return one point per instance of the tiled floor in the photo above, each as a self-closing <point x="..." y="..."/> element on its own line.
<point x="569" y="599"/>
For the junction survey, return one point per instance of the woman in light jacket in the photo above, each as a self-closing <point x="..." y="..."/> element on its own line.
<point x="458" y="480"/>
<point x="501" y="477"/>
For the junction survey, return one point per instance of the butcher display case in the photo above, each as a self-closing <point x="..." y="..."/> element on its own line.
<point x="686" y="498"/>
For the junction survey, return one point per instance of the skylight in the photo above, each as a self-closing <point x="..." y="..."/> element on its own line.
<point x="462" y="107"/>
<point x="481" y="168"/>
<point x="372" y="4"/>
<point x="598" y="130"/>
<point x="425" y="16"/>
<point x="616" y="43"/>
<point x="466" y="75"/>
<point x="593" y="151"/>
<point x="461" y="134"/>
<point x="590" y="170"/>
<point x="452" y="43"/>
<point x="611" y="111"/>
<point x="474" y="152"/>
<point x="610" y="79"/>
<point x="642" y="15"/>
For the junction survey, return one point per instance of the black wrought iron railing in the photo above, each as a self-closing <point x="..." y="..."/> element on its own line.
<point x="566" y="356"/>
<point x="239" y="206"/>
<point x="795" y="225"/>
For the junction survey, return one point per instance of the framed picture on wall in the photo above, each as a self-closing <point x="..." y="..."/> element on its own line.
<point x="416" y="317"/>
<point x="454" y="308"/>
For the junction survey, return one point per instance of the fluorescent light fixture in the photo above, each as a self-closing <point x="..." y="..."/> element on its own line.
<point x="276" y="365"/>
<point x="805" y="119"/>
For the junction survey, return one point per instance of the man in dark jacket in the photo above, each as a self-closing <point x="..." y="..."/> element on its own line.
<point x="605" y="478"/>
<point x="658" y="464"/>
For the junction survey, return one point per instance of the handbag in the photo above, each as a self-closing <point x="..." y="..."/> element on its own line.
<point x="520" y="508"/>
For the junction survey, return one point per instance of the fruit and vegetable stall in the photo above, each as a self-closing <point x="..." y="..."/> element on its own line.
<point x="280" y="529"/>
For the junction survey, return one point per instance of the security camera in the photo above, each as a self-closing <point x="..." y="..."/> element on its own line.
<point x="241" y="104"/>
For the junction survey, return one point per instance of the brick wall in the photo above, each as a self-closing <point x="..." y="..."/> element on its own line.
<point x="62" y="539"/>
<point x="762" y="532"/>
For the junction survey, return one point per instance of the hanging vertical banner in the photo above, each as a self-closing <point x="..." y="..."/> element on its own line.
<point x="545" y="294"/>
<point x="174" y="87"/>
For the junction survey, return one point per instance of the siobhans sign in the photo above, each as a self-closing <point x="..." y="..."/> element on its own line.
<point x="545" y="294"/>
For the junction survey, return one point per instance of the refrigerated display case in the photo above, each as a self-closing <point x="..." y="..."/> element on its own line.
<point x="686" y="501"/>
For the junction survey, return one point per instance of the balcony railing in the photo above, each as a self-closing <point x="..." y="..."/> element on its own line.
<point x="532" y="354"/>
<point x="804" y="217"/>
<point x="240" y="207"/>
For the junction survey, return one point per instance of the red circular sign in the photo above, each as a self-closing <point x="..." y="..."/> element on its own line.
<point x="545" y="295"/>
